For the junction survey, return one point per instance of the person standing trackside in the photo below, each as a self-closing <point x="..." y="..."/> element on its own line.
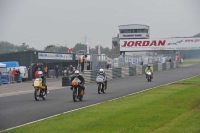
<point x="177" y="60"/>
<point x="45" y="71"/>
<point x="10" y="76"/>
<point x="0" y="78"/>
<point x="82" y="61"/>
<point x="14" y="74"/>
<point x="56" y="71"/>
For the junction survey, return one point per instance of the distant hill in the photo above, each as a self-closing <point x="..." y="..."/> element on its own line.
<point x="197" y="35"/>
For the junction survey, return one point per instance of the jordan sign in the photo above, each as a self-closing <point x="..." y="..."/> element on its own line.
<point x="160" y="44"/>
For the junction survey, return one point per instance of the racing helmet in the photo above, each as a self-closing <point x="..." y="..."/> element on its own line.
<point x="40" y="74"/>
<point x="76" y="73"/>
<point x="101" y="71"/>
<point x="148" y="65"/>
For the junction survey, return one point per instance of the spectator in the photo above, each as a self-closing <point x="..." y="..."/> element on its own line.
<point x="18" y="75"/>
<point x="107" y="66"/>
<point x="65" y="71"/>
<point x="45" y="71"/>
<point x="170" y="60"/>
<point x="14" y="74"/>
<point x="10" y="76"/>
<point x="56" y="71"/>
<point x="42" y="68"/>
<point x="0" y="78"/>
<point x="82" y="61"/>
<point x="177" y="60"/>
<point x="36" y="73"/>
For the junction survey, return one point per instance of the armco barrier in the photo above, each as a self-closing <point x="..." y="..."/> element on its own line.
<point x="155" y="67"/>
<point x="163" y="66"/>
<point x="109" y="73"/>
<point x="87" y="76"/>
<point x="116" y="72"/>
<point x="143" y="68"/>
<point x="132" y="71"/>
<point x="168" y="64"/>
<point x="90" y="75"/>
<point x="125" y="72"/>
<point x="119" y="72"/>
<point x="93" y="75"/>
<point x="171" y="65"/>
<point x="138" y="69"/>
<point x="160" y="67"/>
<point x="175" y="64"/>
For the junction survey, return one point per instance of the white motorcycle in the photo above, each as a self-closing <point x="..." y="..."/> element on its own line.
<point x="149" y="76"/>
<point x="101" y="84"/>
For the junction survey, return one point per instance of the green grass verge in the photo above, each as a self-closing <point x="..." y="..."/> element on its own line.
<point x="192" y="61"/>
<point x="173" y="108"/>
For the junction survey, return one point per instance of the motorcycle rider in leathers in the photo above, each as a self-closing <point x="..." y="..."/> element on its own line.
<point x="80" y="77"/>
<point x="102" y="73"/>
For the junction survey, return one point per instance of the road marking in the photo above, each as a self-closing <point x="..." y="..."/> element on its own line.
<point x="28" y="91"/>
<point x="96" y="104"/>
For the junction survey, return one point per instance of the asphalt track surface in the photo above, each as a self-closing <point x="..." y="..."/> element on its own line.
<point x="20" y="109"/>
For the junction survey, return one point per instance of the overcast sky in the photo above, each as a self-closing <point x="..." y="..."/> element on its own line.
<point x="39" y="23"/>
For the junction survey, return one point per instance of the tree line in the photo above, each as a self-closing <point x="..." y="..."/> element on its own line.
<point x="7" y="47"/>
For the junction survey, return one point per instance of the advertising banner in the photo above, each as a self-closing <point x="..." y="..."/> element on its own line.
<point x="99" y="49"/>
<point x="134" y="61"/>
<point x="88" y="47"/>
<point x="55" y="56"/>
<point x="160" y="44"/>
<point x="146" y="60"/>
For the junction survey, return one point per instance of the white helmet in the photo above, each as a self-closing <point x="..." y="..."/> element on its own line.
<point x="40" y="74"/>
<point x="76" y="73"/>
<point x="149" y="65"/>
<point x="101" y="71"/>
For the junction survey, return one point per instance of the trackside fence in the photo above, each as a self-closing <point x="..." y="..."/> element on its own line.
<point x="119" y="72"/>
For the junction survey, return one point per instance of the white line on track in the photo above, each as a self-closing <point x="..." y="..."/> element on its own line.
<point x="28" y="91"/>
<point x="95" y="104"/>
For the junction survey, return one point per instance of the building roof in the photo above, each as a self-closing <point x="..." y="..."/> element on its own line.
<point x="133" y="24"/>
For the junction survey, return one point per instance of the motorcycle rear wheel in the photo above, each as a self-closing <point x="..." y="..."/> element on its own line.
<point x="43" y="95"/>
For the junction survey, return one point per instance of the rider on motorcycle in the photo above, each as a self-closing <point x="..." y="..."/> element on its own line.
<point x="40" y="75"/>
<point x="149" y="68"/>
<point x="80" y="77"/>
<point x="102" y="73"/>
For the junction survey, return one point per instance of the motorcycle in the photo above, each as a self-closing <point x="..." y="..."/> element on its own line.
<point x="101" y="84"/>
<point x="77" y="90"/>
<point x="149" y="76"/>
<point x="40" y="90"/>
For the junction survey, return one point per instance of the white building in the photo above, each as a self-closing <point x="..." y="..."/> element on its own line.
<point x="131" y="31"/>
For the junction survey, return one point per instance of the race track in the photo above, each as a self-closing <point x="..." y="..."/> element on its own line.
<point x="20" y="109"/>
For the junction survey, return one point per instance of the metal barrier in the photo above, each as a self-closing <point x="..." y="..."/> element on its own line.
<point x="132" y="71"/>
<point x="155" y="67"/>
<point x="112" y="73"/>
<point x="168" y="65"/>
<point x="144" y="67"/>
<point x="125" y="72"/>
<point x="163" y="66"/>
<point x="51" y="74"/>
<point x="171" y="65"/>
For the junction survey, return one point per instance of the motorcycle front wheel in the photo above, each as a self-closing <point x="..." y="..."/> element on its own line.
<point x="99" y="88"/>
<point x="36" y="94"/>
<point x="75" y="95"/>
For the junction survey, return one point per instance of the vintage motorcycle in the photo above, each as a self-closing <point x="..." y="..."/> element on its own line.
<point x="78" y="92"/>
<point x="101" y="84"/>
<point x="149" y="76"/>
<point x="40" y="90"/>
